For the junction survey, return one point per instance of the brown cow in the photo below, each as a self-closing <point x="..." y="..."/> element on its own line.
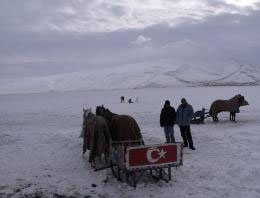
<point x="232" y="105"/>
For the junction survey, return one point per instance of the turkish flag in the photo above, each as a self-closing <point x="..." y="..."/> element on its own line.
<point x="143" y="156"/>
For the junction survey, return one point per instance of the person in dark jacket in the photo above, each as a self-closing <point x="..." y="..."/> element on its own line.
<point x="183" y="117"/>
<point x="167" y="119"/>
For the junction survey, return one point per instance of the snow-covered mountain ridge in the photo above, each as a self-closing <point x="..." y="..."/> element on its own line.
<point x="140" y="75"/>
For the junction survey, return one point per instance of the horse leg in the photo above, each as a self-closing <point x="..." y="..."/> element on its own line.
<point x="90" y="158"/>
<point x="84" y="143"/>
<point x="215" y="118"/>
<point x="100" y="159"/>
<point x="232" y="116"/>
<point x="94" y="163"/>
<point x="105" y="156"/>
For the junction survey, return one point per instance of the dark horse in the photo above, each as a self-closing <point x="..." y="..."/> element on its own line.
<point x="96" y="135"/>
<point x="232" y="105"/>
<point x="122" y="127"/>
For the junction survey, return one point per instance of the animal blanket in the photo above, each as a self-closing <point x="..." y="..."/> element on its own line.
<point x="97" y="137"/>
<point x="124" y="128"/>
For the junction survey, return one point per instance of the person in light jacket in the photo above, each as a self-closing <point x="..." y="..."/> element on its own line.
<point x="183" y="117"/>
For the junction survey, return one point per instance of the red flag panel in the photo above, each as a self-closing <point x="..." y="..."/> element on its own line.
<point x="152" y="156"/>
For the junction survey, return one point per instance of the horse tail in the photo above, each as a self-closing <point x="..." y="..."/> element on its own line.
<point x="212" y="109"/>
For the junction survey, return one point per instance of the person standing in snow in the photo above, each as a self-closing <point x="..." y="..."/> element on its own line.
<point x="136" y="99"/>
<point x="183" y="117"/>
<point x="167" y="119"/>
<point x="122" y="98"/>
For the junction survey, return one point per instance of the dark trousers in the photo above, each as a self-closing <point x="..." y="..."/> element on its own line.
<point x="186" y="135"/>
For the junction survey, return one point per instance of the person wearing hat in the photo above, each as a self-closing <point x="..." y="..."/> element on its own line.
<point x="183" y="117"/>
<point x="167" y="119"/>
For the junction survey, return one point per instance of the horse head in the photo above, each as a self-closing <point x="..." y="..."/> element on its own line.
<point x="240" y="100"/>
<point x="100" y="110"/>
<point x="86" y="113"/>
<point x="106" y="113"/>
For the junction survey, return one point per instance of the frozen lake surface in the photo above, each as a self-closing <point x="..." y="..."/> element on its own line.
<point x="40" y="148"/>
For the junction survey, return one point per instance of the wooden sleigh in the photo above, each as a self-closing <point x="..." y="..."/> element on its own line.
<point x="200" y="116"/>
<point x="130" y="161"/>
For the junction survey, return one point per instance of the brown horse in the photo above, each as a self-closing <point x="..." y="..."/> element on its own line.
<point x="96" y="135"/>
<point x="122" y="127"/>
<point x="232" y="105"/>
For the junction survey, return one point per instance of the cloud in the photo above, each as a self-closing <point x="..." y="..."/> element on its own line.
<point x="47" y="37"/>
<point x="107" y="16"/>
<point x="243" y="3"/>
<point x="90" y="16"/>
<point x="141" y="40"/>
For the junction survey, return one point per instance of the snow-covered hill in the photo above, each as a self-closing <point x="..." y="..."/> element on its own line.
<point x="141" y="75"/>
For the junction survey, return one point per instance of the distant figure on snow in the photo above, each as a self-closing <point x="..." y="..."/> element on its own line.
<point x="136" y="99"/>
<point x="130" y="101"/>
<point x="167" y="119"/>
<point x="183" y="117"/>
<point x="122" y="98"/>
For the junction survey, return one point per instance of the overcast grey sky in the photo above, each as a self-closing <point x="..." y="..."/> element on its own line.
<point x="43" y="37"/>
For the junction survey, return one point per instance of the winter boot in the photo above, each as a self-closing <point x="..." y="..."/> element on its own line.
<point x="192" y="147"/>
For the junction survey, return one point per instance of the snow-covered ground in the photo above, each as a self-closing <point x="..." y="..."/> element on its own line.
<point x="156" y="74"/>
<point x="41" y="152"/>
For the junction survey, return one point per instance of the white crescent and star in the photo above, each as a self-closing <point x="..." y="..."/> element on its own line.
<point x="161" y="154"/>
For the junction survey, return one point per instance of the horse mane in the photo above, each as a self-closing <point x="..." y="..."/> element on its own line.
<point x="239" y="98"/>
<point x="101" y="110"/>
<point x="236" y="97"/>
<point x="105" y="112"/>
<point x="110" y="112"/>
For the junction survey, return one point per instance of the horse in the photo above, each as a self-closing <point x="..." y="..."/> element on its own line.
<point x="232" y="105"/>
<point x="96" y="136"/>
<point x="123" y="128"/>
